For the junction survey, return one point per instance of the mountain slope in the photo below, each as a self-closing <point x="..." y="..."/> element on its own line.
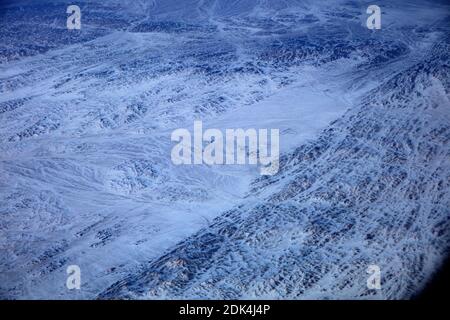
<point x="86" y="176"/>
<point x="374" y="188"/>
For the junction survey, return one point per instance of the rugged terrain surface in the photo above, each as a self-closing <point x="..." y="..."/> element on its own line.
<point x="86" y="175"/>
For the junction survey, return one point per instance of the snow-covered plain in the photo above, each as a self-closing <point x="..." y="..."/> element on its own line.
<point x="86" y="174"/>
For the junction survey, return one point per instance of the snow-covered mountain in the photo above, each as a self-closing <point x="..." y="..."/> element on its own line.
<point x="86" y="174"/>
